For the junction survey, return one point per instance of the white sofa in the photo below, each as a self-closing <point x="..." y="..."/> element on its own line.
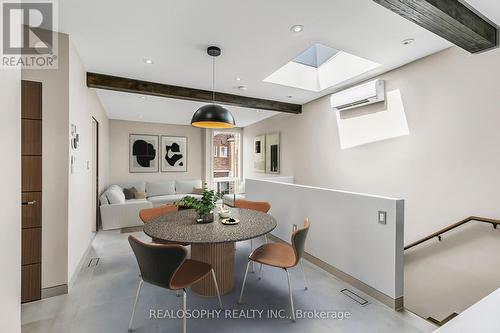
<point x="117" y="212"/>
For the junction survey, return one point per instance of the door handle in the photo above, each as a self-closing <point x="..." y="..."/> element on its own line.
<point x="29" y="202"/>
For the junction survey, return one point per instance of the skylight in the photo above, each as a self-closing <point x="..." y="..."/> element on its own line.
<point x="320" y="67"/>
<point x="316" y="55"/>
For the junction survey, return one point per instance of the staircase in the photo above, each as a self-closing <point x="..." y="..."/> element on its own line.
<point x="453" y="268"/>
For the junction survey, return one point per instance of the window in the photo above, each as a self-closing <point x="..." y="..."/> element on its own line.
<point x="225" y="161"/>
<point x="223" y="151"/>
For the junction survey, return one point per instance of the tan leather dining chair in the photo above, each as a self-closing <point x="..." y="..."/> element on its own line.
<point x="261" y="206"/>
<point x="148" y="214"/>
<point x="281" y="255"/>
<point x="166" y="266"/>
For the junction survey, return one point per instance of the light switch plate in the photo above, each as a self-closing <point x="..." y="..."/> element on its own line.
<point x="382" y="217"/>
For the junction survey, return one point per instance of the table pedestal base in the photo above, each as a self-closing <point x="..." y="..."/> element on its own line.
<point x="221" y="257"/>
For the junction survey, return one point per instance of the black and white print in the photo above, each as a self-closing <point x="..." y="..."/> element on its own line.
<point x="173" y="154"/>
<point x="259" y="154"/>
<point x="143" y="153"/>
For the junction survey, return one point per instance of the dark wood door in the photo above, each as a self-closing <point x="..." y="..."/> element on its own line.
<point x="31" y="199"/>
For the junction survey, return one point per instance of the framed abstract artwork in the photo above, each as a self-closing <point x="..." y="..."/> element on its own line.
<point x="173" y="153"/>
<point x="143" y="153"/>
<point x="259" y="153"/>
<point x="273" y="153"/>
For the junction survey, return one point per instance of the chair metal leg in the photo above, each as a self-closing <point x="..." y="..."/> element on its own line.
<point x="184" y="308"/>
<point x="217" y="288"/>
<point x="244" y="281"/>
<point x="131" y="322"/>
<point x="260" y="272"/>
<point x="251" y="250"/>
<point x="290" y="292"/>
<point x="265" y="238"/>
<point x="303" y="274"/>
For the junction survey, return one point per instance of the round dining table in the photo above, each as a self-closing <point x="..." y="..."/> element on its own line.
<point x="212" y="243"/>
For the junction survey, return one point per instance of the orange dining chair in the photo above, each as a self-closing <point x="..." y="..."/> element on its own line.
<point x="261" y="206"/>
<point x="149" y="214"/>
<point x="283" y="256"/>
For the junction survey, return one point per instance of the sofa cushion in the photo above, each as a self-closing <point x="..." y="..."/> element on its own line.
<point x="186" y="186"/>
<point x="169" y="199"/>
<point x="140" y="195"/>
<point x="165" y="187"/>
<point x="115" y="195"/>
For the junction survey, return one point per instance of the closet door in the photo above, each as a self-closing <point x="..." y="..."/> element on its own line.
<point x="31" y="198"/>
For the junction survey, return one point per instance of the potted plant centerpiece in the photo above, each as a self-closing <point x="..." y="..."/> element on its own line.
<point x="204" y="207"/>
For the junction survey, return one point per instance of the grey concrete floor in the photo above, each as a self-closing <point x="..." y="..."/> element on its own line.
<point x="101" y="300"/>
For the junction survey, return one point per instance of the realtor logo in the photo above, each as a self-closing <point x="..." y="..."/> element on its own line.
<point x="28" y="37"/>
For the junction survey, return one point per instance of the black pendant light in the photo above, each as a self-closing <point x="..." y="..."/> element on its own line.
<point x="213" y="115"/>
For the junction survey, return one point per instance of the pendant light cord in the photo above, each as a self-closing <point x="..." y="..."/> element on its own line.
<point x="213" y="80"/>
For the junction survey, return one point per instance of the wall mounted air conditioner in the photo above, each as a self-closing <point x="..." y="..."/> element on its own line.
<point x="364" y="94"/>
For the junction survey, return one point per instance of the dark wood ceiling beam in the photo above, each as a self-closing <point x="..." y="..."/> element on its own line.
<point x="108" y="82"/>
<point x="449" y="19"/>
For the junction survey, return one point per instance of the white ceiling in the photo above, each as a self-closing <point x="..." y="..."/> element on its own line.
<point x="489" y="8"/>
<point x="114" y="36"/>
<point x="125" y="106"/>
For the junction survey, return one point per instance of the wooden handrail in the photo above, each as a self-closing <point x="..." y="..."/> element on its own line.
<point x="453" y="226"/>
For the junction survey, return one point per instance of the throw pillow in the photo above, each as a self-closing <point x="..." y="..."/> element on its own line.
<point x="140" y="195"/>
<point x="129" y="193"/>
<point x="198" y="191"/>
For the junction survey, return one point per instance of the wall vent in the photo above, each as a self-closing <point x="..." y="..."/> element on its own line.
<point x="93" y="262"/>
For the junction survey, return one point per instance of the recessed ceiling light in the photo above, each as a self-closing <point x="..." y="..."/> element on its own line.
<point x="289" y="96"/>
<point x="237" y="78"/>
<point x="148" y="61"/>
<point x="241" y="87"/>
<point x="297" y="28"/>
<point x="143" y="97"/>
<point x="407" y="41"/>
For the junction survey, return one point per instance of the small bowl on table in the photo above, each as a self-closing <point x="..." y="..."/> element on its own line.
<point x="225" y="213"/>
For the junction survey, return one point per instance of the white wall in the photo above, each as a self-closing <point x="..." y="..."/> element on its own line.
<point x="83" y="105"/>
<point x="10" y="236"/>
<point x="339" y="220"/>
<point x="55" y="119"/>
<point x="446" y="168"/>
<point x="119" y="131"/>
<point x="67" y="209"/>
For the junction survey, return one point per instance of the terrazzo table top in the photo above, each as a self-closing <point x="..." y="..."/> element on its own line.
<point x="181" y="227"/>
